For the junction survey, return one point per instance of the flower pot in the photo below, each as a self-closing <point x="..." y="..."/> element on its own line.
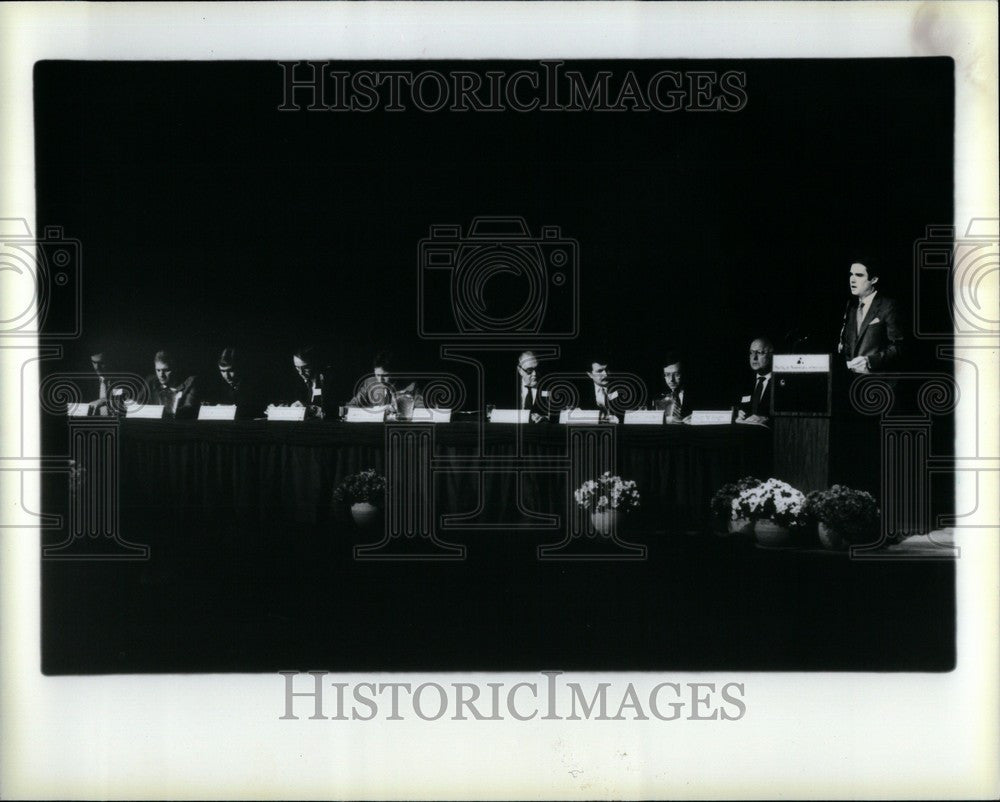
<point x="829" y="537"/>
<point x="365" y="515"/>
<point x="605" y="521"/>
<point x="741" y="526"/>
<point x="770" y="534"/>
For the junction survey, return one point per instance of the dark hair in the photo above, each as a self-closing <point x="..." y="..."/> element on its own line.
<point x="764" y="339"/>
<point x="601" y="358"/>
<point x="673" y="358"/>
<point x="307" y="353"/>
<point x="871" y="265"/>
<point x="383" y="359"/>
<point x="227" y="359"/>
<point x="165" y="357"/>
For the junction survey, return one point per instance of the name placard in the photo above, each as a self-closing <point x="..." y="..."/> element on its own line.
<point x="219" y="412"/>
<point x="426" y="415"/>
<point x="365" y="415"/>
<point x="711" y="417"/>
<point x="149" y="411"/>
<point x="644" y="417"/>
<point x="801" y="363"/>
<point x="77" y="409"/>
<point x="286" y="413"/>
<point x="571" y="416"/>
<point x="510" y="416"/>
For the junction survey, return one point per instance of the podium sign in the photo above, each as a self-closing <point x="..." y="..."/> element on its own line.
<point x="802" y="384"/>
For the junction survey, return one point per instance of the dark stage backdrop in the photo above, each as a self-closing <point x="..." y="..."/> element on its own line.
<point x="207" y="217"/>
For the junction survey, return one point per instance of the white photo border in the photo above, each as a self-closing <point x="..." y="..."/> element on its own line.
<point x="804" y="735"/>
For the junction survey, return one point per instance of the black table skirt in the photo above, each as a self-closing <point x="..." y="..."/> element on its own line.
<point x="288" y="471"/>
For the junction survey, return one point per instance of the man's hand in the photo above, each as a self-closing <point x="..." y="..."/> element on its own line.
<point x="858" y="365"/>
<point x="537" y="418"/>
<point x="741" y="416"/>
<point x="296" y="404"/>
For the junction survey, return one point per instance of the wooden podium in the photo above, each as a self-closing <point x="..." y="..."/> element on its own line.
<point x="801" y="403"/>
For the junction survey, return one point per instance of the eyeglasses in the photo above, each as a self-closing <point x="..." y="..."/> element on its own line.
<point x="527" y="370"/>
<point x="759" y="353"/>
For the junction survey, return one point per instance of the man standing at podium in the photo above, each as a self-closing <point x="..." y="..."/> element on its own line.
<point x="756" y="405"/>
<point x="870" y="337"/>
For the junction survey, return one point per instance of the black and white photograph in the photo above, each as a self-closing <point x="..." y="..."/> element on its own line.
<point x="541" y="385"/>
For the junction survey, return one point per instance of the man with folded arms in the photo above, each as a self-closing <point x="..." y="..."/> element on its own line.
<point x="755" y="406"/>
<point x="179" y="396"/>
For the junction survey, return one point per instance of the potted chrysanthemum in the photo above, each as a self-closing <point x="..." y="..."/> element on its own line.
<point x="364" y="493"/>
<point x="607" y="498"/>
<point x="775" y="507"/>
<point x="843" y="516"/>
<point x="721" y="506"/>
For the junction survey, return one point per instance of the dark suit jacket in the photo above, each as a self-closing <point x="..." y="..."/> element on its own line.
<point x="617" y="392"/>
<point x="298" y="390"/>
<point x="187" y="400"/>
<point x="880" y="338"/>
<point x="665" y="402"/>
<point x="540" y="405"/>
<point x="248" y="398"/>
<point x="764" y="406"/>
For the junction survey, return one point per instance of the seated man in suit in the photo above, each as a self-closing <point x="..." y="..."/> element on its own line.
<point x="676" y="401"/>
<point x="871" y="336"/>
<point x="313" y="389"/>
<point x="377" y="389"/>
<point x="237" y="389"/>
<point x="756" y="405"/>
<point x="179" y="396"/>
<point x="599" y="393"/>
<point x="530" y="396"/>
<point x="101" y="364"/>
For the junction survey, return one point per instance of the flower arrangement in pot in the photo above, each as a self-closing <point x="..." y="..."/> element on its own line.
<point x="363" y="492"/>
<point x="843" y="516"/>
<point x="721" y="506"/>
<point x="775" y="507"/>
<point x="607" y="498"/>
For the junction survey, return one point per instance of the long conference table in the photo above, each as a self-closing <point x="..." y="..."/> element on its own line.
<point x="480" y="475"/>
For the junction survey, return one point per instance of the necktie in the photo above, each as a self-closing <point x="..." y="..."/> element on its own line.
<point x="104" y="390"/>
<point x="675" y="407"/>
<point x="758" y="391"/>
<point x="861" y="314"/>
<point x="527" y="399"/>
